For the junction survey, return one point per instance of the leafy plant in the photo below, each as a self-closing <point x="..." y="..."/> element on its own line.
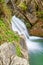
<point x="2" y="1"/>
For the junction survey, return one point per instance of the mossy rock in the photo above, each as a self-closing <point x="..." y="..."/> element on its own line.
<point x="40" y="14"/>
<point x="23" y="6"/>
<point x="2" y="1"/>
<point x="28" y="25"/>
<point x="7" y="34"/>
<point x="18" y="50"/>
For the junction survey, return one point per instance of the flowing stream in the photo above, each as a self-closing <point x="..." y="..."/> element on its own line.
<point x="34" y="44"/>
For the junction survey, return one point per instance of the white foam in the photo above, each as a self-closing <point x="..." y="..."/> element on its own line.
<point x="19" y="26"/>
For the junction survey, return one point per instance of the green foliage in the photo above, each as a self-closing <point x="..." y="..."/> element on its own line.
<point x="28" y="25"/>
<point x="18" y="51"/>
<point x="40" y="14"/>
<point x="23" y="6"/>
<point x="2" y="1"/>
<point x="7" y="34"/>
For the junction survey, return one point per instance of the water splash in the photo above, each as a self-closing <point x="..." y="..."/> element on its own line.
<point x="19" y="26"/>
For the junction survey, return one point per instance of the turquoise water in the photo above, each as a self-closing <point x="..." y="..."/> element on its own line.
<point x="36" y="56"/>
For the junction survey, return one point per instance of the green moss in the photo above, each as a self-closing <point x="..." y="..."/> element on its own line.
<point x="23" y="6"/>
<point x="7" y="34"/>
<point x="28" y="25"/>
<point x="40" y="14"/>
<point x="2" y="1"/>
<point x="18" y="51"/>
<point x="0" y="37"/>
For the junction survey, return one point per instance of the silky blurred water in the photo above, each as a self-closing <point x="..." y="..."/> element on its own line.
<point x="34" y="44"/>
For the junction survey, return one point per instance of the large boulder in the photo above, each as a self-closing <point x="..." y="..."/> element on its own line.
<point x="8" y="55"/>
<point x="19" y="61"/>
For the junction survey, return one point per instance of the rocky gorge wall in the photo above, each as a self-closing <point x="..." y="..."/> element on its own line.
<point x="32" y="12"/>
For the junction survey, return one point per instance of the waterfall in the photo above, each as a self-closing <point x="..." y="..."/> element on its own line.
<point x="19" y="26"/>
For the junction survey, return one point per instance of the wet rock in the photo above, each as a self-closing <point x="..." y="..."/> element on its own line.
<point x="24" y="50"/>
<point x="22" y="42"/>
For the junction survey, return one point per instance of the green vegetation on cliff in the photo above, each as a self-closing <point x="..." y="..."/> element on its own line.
<point x="6" y="34"/>
<point x="23" y="6"/>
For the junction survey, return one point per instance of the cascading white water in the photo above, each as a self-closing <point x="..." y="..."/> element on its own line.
<point x="19" y="26"/>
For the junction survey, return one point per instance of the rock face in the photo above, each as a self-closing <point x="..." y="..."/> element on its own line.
<point x="30" y="11"/>
<point x="8" y="56"/>
<point x="31" y="18"/>
<point x="19" y="61"/>
<point x="6" y="1"/>
<point x="37" y="29"/>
